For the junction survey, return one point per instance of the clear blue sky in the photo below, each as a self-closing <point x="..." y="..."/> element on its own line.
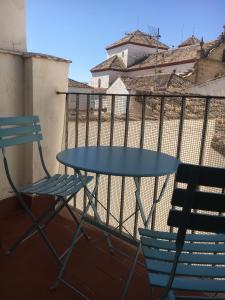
<point x="80" y="30"/>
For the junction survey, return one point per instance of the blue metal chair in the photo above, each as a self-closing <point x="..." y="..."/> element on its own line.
<point x="26" y="129"/>
<point x="190" y="261"/>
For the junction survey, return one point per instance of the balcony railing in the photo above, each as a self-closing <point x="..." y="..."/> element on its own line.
<point x="189" y="127"/>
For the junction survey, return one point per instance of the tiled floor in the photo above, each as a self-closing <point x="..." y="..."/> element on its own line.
<point x="30" y="270"/>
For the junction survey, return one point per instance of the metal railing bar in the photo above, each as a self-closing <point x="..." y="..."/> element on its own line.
<point x="125" y="145"/>
<point x="159" y="146"/>
<point x="180" y="136"/>
<point x="111" y="144"/>
<point x="204" y="130"/>
<point x="99" y="120"/>
<point x="87" y="138"/>
<point x="67" y="126"/>
<point x="149" y="95"/>
<point x="142" y="134"/>
<point x="76" y="136"/>
<point x="99" y="135"/>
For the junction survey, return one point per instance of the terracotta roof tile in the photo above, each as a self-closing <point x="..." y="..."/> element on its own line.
<point x="77" y="84"/>
<point x="190" y="41"/>
<point x="112" y="63"/>
<point x="139" y="38"/>
<point x="175" y="56"/>
<point x="159" y="82"/>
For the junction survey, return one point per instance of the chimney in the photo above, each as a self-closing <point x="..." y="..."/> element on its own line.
<point x="13" y="25"/>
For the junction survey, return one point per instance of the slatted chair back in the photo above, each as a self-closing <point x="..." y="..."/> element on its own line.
<point x="192" y="199"/>
<point x="20" y="130"/>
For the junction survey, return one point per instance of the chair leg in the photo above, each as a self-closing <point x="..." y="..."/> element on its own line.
<point x="75" y="218"/>
<point x="124" y="292"/>
<point x="36" y="225"/>
<point x="32" y="230"/>
<point x="43" y="220"/>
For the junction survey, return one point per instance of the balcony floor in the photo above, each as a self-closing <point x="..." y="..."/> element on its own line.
<point x="29" y="271"/>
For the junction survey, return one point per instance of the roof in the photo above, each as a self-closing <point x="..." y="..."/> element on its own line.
<point x="113" y="63"/>
<point x="159" y="82"/>
<point x="138" y="38"/>
<point x="176" y="56"/>
<point x="181" y="55"/>
<point x="46" y="56"/>
<point x="190" y="41"/>
<point x="33" y="54"/>
<point x="172" y="56"/>
<point x="77" y="84"/>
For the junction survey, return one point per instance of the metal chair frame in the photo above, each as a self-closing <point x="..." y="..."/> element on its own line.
<point x="171" y="257"/>
<point x="27" y="130"/>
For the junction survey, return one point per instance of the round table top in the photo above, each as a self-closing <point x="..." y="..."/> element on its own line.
<point x="119" y="161"/>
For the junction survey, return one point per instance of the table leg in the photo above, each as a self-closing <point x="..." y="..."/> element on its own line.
<point x="91" y="196"/>
<point x="75" y="238"/>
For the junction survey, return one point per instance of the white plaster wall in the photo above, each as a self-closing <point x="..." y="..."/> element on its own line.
<point x="13" y="25"/>
<point x="104" y="76"/>
<point x="136" y="52"/>
<point x="121" y="51"/>
<point x="107" y="77"/>
<point x="132" y="53"/>
<point x="11" y="104"/>
<point x="168" y="69"/>
<point x="214" y="87"/>
<point x="48" y="77"/>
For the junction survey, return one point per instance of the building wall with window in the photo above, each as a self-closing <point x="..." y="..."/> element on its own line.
<point x="104" y="79"/>
<point x="131" y="53"/>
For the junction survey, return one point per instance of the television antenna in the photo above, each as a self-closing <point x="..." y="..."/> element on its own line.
<point x="154" y="33"/>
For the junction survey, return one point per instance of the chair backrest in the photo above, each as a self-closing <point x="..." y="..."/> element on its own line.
<point x="19" y="130"/>
<point x="192" y="199"/>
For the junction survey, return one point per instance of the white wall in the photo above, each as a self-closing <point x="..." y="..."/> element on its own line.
<point x="132" y="53"/>
<point x="48" y="76"/>
<point x="11" y="104"/>
<point x="107" y="77"/>
<point x="121" y="51"/>
<point x="214" y="87"/>
<point x="136" y="52"/>
<point x="13" y="25"/>
<point x="28" y="85"/>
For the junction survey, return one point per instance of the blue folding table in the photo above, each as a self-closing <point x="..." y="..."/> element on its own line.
<point x="115" y="161"/>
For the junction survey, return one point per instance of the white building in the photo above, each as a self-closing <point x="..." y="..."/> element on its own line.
<point x="139" y="54"/>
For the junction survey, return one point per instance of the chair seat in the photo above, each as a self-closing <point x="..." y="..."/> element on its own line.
<point x="198" y="269"/>
<point x="57" y="185"/>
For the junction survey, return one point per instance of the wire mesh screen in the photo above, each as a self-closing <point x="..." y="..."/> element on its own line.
<point x="191" y="129"/>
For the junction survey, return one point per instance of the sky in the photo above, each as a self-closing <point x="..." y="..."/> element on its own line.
<point x="80" y="30"/>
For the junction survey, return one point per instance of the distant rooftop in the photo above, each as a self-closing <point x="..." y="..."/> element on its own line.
<point x="138" y="38"/>
<point x="77" y="84"/>
<point x="113" y="63"/>
<point x="190" y="41"/>
<point x="159" y="82"/>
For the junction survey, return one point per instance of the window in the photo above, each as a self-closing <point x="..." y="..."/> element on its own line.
<point x="99" y="82"/>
